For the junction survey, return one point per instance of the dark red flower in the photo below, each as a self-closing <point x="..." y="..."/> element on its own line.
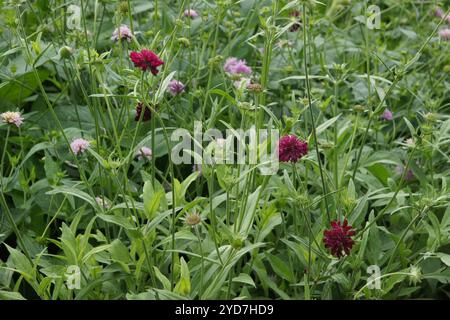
<point x="296" y="16"/>
<point x="146" y="59"/>
<point x="291" y="148"/>
<point x="147" y="112"/>
<point x="339" y="238"/>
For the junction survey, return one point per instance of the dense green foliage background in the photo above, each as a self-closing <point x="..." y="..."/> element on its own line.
<point x="260" y="236"/>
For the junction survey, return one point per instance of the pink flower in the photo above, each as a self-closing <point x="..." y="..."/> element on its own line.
<point x="144" y="152"/>
<point x="291" y="148"/>
<point x="339" y="238"/>
<point x="440" y="14"/>
<point x="146" y="59"/>
<point x="445" y="34"/>
<point x="190" y="13"/>
<point x="235" y="66"/>
<point x="387" y="115"/>
<point x="79" y="146"/>
<point x="12" y="118"/>
<point x="122" y="32"/>
<point x="175" y="87"/>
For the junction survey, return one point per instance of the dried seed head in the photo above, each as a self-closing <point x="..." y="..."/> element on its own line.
<point x="255" y="87"/>
<point x="193" y="219"/>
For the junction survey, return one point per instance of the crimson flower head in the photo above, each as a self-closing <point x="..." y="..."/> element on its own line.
<point x="339" y="238"/>
<point x="146" y="59"/>
<point x="291" y="148"/>
<point x="141" y="108"/>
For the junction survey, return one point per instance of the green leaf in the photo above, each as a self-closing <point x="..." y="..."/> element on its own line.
<point x="162" y="278"/>
<point x="119" y="220"/>
<point x="184" y="285"/>
<point x="21" y="263"/>
<point x="152" y="199"/>
<point x="7" y="295"/>
<point x="280" y="267"/>
<point x="244" y="278"/>
<point x="74" y="192"/>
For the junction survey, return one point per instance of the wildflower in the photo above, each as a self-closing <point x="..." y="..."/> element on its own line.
<point x="445" y="34"/>
<point x="438" y="12"/>
<point x="339" y="238"/>
<point x="295" y="16"/>
<point x="65" y="52"/>
<point x="255" y="87"/>
<point x="235" y="66"/>
<point x="175" y="87"/>
<point x="193" y="219"/>
<point x="359" y="108"/>
<point x="431" y="117"/>
<point x="146" y="59"/>
<point x="237" y="242"/>
<point x="409" y="175"/>
<point x="147" y="112"/>
<point x="291" y="148"/>
<point x="415" y="275"/>
<point x="102" y="202"/>
<point x="123" y="7"/>
<point x="79" y="146"/>
<point x="122" y="33"/>
<point x="410" y="143"/>
<point x="441" y="15"/>
<point x="190" y="13"/>
<point x="12" y="117"/>
<point x="387" y="115"/>
<point x="144" y="152"/>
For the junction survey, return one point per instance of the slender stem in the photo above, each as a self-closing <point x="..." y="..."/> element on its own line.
<point x="305" y="54"/>
<point x="6" y="207"/>
<point x="197" y="232"/>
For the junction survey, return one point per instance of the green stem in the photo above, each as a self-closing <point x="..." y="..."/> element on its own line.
<point x="305" y="54"/>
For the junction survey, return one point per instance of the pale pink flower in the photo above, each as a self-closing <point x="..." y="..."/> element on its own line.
<point x="441" y="14"/>
<point x="12" y="117"/>
<point x="122" y="32"/>
<point x="144" y="152"/>
<point x="175" y="87"/>
<point x="235" y="66"/>
<point x="445" y="34"/>
<point x="387" y="115"/>
<point x="190" y="13"/>
<point x="79" y="145"/>
<point x="438" y="12"/>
